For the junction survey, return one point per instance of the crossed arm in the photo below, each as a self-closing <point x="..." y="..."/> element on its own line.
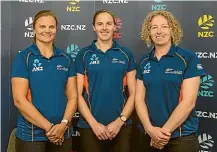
<point x="161" y="136"/>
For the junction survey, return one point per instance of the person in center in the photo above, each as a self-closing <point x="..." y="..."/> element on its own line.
<point x="105" y="71"/>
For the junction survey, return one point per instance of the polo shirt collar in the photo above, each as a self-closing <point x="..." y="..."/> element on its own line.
<point x="171" y="52"/>
<point x="115" y="46"/>
<point x="34" y="49"/>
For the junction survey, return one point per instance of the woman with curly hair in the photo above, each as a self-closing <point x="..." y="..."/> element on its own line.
<point x="168" y="80"/>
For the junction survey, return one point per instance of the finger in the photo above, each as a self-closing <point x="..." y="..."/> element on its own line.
<point x="165" y="132"/>
<point x="50" y="131"/>
<point x="52" y="139"/>
<point x="155" y="145"/>
<point x="109" y="134"/>
<point x="100" y="134"/>
<point x="104" y="135"/>
<point x="163" y="137"/>
<point x="116" y="132"/>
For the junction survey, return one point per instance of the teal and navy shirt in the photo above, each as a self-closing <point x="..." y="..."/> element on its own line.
<point x="104" y="80"/>
<point x="47" y="82"/>
<point x="163" y="80"/>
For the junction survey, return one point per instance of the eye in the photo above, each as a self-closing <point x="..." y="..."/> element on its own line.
<point x="165" y="26"/>
<point x="109" y="23"/>
<point x="52" y="27"/>
<point x="42" y="26"/>
<point x="99" y="23"/>
<point x="154" y="27"/>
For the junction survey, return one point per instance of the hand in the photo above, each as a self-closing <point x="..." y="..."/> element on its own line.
<point x="159" y="135"/>
<point x="100" y="131"/>
<point x="56" y="132"/>
<point x="114" y="127"/>
<point x="157" y="145"/>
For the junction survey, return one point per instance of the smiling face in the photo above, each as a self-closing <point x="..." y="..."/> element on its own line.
<point x="104" y="26"/>
<point x="160" y="31"/>
<point x="45" y="29"/>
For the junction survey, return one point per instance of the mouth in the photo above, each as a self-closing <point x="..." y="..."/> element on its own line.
<point x="159" y="37"/>
<point x="47" y="35"/>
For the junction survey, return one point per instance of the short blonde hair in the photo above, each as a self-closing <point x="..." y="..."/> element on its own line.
<point x="177" y="33"/>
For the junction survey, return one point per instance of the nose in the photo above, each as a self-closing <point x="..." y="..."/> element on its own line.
<point x="47" y="29"/>
<point x="159" y="30"/>
<point x="104" y="26"/>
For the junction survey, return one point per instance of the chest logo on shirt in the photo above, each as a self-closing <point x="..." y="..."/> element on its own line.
<point x="147" y="68"/>
<point x="61" y="68"/>
<point x="37" y="66"/>
<point x="94" y="59"/>
<point x="115" y="60"/>
<point x="172" y="71"/>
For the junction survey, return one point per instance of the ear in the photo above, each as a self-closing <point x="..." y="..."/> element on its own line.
<point x="94" y="28"/>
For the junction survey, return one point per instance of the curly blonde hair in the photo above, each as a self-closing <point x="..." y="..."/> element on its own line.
<point x="174" y="24"/>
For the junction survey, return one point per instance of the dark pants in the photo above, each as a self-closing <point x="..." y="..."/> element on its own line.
<point x="90" y="143"/>
<point x="44" y="146"/>
<point x="180" y="144"/>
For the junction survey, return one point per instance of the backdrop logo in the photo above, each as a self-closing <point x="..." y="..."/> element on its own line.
<point x="115" y="1"/>
<point x="158" y="5"/>
<point x="206" y="55"/>
<point x="32" y="1"/>
<point x="73" y="50"/>
<point x="74" y="6"/>
<point x="206" y="22"/>
<point x="117" y="33"/>
<point x="76" y="133"/>
<point x="206" y="84"/>
<point x="206" y="142"/>
<point x="205" y="114"/>
<point x="29" y="27"/>
<point x="73" y="27"/>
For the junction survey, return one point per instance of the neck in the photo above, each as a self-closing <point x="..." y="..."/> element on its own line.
<point x="46" y="49"/>
<point x="161" y="50"/>
<point x="104" y="45"/>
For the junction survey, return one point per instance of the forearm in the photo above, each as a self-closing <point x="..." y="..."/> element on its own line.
<point x="179" y="115"/>
<point x="70" y="109"/>
<point x="85" y="111"/>
<point x="142" y="112"/>
<point x="32" y="115"/>
<point x="129" y="106"/>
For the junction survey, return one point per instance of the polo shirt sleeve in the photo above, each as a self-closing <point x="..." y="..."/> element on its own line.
<point x="19" y="67"/>
<point x="139" y="72"/>
<point x="194" y="68"/>
<point x="132" y="63"/>
<point x="72" y="72"/>
<point x="79" y="63"/>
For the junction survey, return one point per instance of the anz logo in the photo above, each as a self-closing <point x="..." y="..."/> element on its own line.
<point x="94" y="59"/>
<point x="37" y="66"/>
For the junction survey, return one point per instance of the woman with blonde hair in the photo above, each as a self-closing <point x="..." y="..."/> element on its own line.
<point x="44" y="119"/>
<point x="168" y="80"/>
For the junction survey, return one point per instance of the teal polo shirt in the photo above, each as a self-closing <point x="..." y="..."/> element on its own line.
<point x="47" y="81"/>
<point x="163" y="80"/>
<point x="105" y="89"/>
